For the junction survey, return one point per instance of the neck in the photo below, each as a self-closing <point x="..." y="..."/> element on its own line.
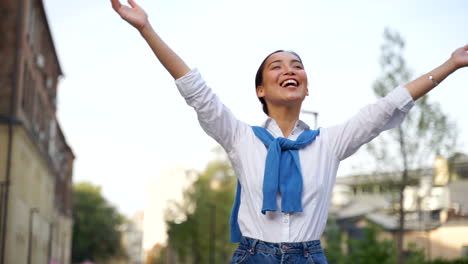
<point x="285" y="117"/>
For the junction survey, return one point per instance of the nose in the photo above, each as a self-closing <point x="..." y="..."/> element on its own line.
<point x="290" y="71"/>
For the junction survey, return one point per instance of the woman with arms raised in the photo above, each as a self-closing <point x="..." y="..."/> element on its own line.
<point x="286" y="170"/>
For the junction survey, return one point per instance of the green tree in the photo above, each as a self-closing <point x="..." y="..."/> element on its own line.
<point x="373" y="250"/>
<point x="425" y="132"/>
<point x="455" y="261"/>
<point x="96" y="234"/>
<point x="368" y="250"/>
<point x="334" y="242"/>
<point x="198" y="227"/>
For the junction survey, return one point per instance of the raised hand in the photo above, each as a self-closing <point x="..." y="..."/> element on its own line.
<point x="133" y="14"/>
<point x="137" y="17"/>
<point x="460" y="57"/>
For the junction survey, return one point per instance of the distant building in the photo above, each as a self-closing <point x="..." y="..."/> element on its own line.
<point x="133" y="238"/>
<point x="36" y="162"/>
<point x="436" y="207"/>
<point x="162" y="192"/>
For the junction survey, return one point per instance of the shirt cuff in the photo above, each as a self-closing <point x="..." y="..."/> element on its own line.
<point x="401" y="98"/>
<point x="190" y="83"/>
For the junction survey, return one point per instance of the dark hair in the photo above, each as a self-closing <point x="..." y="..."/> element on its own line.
<point x="259" y="75"/>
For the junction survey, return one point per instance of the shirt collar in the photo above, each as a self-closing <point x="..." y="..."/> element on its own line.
<point x="271" y="125"/>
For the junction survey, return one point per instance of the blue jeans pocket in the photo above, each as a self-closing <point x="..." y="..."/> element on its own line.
<point x="240" y="256"/>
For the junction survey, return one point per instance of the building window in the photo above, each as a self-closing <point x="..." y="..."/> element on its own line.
<point x="49" y="82"/>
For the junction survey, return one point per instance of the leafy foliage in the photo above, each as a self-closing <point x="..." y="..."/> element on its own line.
<point x="456" y="261"/>
<point x="369" y="250"/>
<point x="96" y="234"/>
<point x="157" y="255"/>
<point x="426" y="130"/>
<point x="198" y="228"/>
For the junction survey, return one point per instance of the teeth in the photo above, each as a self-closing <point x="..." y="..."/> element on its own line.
<point x="290" y="81"/>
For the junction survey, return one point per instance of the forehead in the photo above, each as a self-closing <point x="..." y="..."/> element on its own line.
<point x="283" y="56"/>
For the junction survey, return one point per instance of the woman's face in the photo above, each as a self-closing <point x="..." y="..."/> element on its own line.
<point x="284" y="80"/>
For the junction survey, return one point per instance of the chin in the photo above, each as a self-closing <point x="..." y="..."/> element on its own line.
<point x="296" y="97"/>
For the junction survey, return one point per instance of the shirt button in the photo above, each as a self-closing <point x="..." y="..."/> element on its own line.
<point x="286" y="218"/>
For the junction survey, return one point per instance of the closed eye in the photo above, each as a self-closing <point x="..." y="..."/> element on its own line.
<point x="297" y="65"/>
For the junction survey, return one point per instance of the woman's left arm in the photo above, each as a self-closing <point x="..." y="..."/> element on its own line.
<point x="422" y="85"/>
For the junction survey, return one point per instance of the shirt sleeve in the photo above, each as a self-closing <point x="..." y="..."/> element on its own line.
<point x="388" y="112"/>
<point x="214" y="117"/>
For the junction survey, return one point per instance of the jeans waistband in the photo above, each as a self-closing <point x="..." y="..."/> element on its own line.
<point x="280" y="248"/>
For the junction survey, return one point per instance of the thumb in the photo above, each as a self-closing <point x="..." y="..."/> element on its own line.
<point x="116" y="4"/>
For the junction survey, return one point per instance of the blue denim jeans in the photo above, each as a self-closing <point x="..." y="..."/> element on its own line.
<point x="254" y="251"/>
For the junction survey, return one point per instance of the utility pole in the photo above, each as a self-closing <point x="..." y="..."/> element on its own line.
<point x="401" y="209"/>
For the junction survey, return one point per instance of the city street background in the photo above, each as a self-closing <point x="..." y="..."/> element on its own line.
<point x="128" y="126"/>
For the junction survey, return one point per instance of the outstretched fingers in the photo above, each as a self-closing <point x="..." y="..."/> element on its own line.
<point x="132" y="3"/>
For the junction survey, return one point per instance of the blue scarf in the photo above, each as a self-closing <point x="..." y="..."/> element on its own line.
<point x="282" y="174"/>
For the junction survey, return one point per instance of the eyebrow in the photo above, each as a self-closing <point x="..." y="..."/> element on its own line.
<point x="294" y="60"/>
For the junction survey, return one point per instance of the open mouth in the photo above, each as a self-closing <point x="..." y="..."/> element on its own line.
<point x="290" y="83"/>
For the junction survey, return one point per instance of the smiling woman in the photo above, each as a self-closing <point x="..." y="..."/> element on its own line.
<point x="273" y="63"/>
<point x="286" y="171"/>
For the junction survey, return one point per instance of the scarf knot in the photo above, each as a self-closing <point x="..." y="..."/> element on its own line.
<point x="282" y="174"/>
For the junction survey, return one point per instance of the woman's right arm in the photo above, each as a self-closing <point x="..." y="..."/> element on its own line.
<point x="138" y="18"/>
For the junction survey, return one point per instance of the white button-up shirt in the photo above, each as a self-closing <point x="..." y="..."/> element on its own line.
<point x="319" y="160"/>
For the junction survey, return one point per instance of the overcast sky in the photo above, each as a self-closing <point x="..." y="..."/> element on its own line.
<point x="126" y="122"/>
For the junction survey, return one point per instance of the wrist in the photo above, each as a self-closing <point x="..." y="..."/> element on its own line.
<point x="145" y="28"/>
<point x="451" y="65"/>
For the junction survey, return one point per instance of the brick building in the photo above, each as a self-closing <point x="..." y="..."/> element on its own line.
<point x="36" y="163"/>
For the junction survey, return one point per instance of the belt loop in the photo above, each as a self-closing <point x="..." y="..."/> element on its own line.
<point x="306" y="249"/>
<point x="252" y="249"/>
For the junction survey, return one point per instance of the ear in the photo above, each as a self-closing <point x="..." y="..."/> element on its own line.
<point x="307" y="92"/>
<point x="260" y="91"/>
